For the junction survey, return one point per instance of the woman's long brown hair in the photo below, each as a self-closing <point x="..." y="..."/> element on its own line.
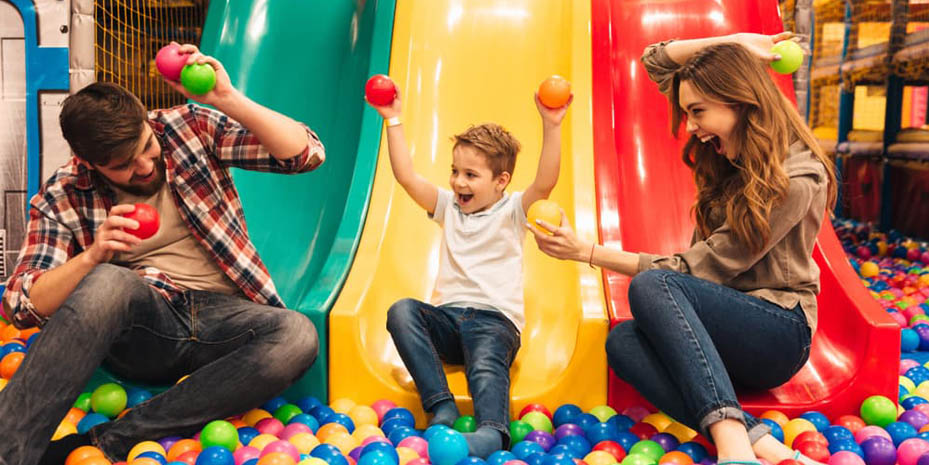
<point x="754" y="182"/>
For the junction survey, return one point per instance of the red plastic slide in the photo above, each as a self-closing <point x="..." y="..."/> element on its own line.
<point x="644" y="194"/>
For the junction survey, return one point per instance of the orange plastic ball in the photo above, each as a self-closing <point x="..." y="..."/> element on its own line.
<point x="82" y="453"/>
<point x="181" y="447"/>
<point x="10" y="364"/>
<point x="95" y="461"/>
<point x="555" y="92"/>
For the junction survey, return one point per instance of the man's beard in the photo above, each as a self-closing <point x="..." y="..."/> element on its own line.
<point x="149" y="188"/>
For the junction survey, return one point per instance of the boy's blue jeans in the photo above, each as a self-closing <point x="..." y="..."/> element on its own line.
<point x="691" y="340"/>
<point x="484" y="341"/>
<point x="238" y="354"/>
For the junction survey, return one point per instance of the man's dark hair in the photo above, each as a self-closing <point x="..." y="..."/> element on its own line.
<point x="102" y="122"/>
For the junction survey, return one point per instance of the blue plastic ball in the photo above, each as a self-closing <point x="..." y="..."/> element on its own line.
<point x="585" y="420"/>
<point x="274" y="404"/>
<point x="433" y="430"/>
<point x="399" y="412"/>
<point x="695" y="450"/>
<point x="576" y="443"/>
<point x="627" y="440"/>
<point x="524" y="449"/>
<point x="135" y="396"/>
<point x="89" y="421"/>
<point x="500" y="457"/>
<point x="449" y="447"/>
<point x="836" y="433"/>
<point x="246" y="434"/>
<point x="909" y="340"/>
<point x="900" y="431"/>
<point x="565" y="414"/>
<point x="306" y="419"/>
<point x="215" y="455"/>
<point x="776" y="429"/>
<point x="308" y="403"/>
<point x="343" y="420"/>
<point x="912" y="401"/>
<point x="817" y="419"/>
<point x="154" y="455"/>
<point x="329" y="453"/>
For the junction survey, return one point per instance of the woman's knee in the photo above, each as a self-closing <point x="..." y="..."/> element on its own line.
<point x="617" y="341"/>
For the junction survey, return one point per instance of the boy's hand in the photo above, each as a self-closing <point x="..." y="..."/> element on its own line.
<point x="551" y="117"/>
<point x="223" y="89"/>
<point x="388" y="111"/>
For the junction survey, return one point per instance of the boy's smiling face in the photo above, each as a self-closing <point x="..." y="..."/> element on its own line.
<point x="473" y="182"/>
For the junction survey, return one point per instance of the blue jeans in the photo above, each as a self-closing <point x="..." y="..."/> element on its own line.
<point x="484" y="341"/>
<point x="238" y="355"/>
<point x="690" y="340"/>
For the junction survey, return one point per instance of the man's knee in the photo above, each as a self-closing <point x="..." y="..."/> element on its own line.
<point x="298" y="343"/>
<point x="106" y="294"/>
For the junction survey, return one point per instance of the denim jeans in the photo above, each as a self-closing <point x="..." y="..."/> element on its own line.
<point x="238" y="355"/>
<point x="690" y="340"/>
<point x="484" y="341"/>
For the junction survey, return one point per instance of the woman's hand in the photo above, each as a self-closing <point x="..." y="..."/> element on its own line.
<point x="563" y="244"/>
<point x="760" y="44"/>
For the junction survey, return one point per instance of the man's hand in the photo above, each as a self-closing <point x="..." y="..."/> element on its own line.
<point x="111" y="237"/>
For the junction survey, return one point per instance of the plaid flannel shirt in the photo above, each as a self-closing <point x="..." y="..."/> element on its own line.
<point x="199" y="146"/>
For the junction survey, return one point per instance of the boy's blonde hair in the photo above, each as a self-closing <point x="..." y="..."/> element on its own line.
<point x="498" y="146"/>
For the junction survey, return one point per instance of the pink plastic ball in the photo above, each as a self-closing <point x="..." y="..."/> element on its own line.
<point x="869" y="431"/>
<point x="922" y="408"/>
<point x="271" y="426"/>
<point x="863" y="252"/>
<point x="170" y="61"/>
<point x="244" y="454"/>
<point x="910" y="450"/>
<point x="912" y="311"/>
<point x="906" y="364"/>
<point x="293" y="429"/>
<point x="912" y="255"/>
<point x="282" y="446"/>
<point x="845" y="457"/>
<point x="518" y="462"/>
<point x="418" y="461"/>
<point x="899" y="319"/>
<point x="420" y="445"/>
<point x="381" y="407"/>
<point x="924" y="257"/>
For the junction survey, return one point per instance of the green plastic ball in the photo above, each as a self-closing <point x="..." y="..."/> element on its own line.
<point x="791" y="56"/>
<point x="219" y="433"/>
<point x="109" y="399"/>
<point x="518" y="430"/>
<point x="83" y="402"/>
<point x="637" y="459"/>
<point x="287" y="411"/>
<point x="198" y="79"/>
<point x="879" y="411"/>
<point x="538" y="421"/>
<point x="650" y="449"/>
<point x="603" y="412"/>
<point x="465" y="424"/>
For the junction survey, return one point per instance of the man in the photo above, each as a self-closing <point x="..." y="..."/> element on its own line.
<point x="193" y="299"/>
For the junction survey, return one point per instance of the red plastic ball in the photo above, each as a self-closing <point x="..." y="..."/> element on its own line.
<point x="380" y="90"/>
<point x="613" y="448"/>
<point x="535" y="408"/>
<point x="643" y="430"/>
<point x="148" y="219"/>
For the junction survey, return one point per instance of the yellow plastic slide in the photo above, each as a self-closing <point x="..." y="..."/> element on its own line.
<point x="456" y="64"/>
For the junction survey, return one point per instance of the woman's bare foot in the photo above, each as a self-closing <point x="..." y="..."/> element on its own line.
<point x="732" y="443"/>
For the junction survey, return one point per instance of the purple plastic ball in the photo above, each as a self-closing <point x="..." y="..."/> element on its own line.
<point x="667" y="441"/>
<point x="546" y="440"/>
<point x="356" y="453"/>
<point x="568" y="429"/>
<point x="879" y="450"/>
<point x="169" y="441"/>
<point x="708" y="461"/>
<point x="914" y="417"/>
<point x="923" y="459"/>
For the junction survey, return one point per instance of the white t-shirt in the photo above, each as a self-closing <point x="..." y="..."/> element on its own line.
<point x="481" y="256"/>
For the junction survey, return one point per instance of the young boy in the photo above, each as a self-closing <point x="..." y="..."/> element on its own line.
<point x="476" y="313"/>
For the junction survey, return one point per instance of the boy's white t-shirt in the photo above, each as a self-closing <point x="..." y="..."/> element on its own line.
<point x="481" y="256"/>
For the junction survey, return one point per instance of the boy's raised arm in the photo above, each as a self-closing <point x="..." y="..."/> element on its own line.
<point x="419" y="188"/>
<point x="546" y="175"/>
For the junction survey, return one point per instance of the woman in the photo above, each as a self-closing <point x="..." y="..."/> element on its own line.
<point x="739" y="306"/>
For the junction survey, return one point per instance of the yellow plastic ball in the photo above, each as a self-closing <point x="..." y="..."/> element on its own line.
<point x="342" y="405"/>
<point x="794" y="427"/>
<point x="259" y="442"/>
<point x="363" y="432"/>
<point x="342" y="440"/>
<point x="304" y="442"/>
<point x="363" y="415"/>
<point x="328" y="429"/>
<point x="907" y="384"/>
<point x="144" y="446"/>
<point x="545" y="210"/>
<point x="869" y="269"/>
<point x="599" y="457"/>
<point x="406" y="454"/>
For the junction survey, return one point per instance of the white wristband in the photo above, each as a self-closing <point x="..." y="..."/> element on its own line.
<point x="394" y="121"/>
